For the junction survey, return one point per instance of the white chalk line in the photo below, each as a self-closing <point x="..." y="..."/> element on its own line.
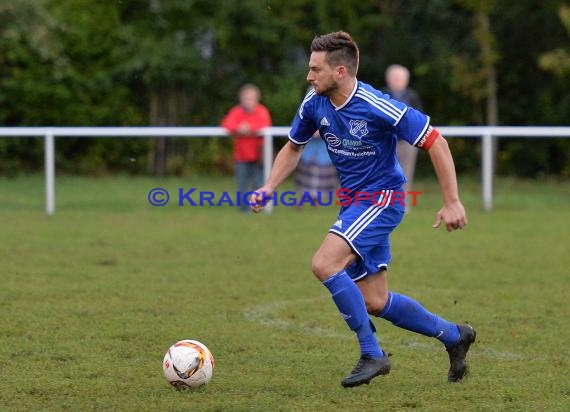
<point x="268" y="315"/>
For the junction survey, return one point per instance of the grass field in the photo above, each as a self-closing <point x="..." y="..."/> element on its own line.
<point x="91" y="297"/>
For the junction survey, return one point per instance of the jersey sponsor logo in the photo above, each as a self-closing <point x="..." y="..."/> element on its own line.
<point x="351" y="143"/>
<point x="332" y="140"/>
<point x="351" y="152"/>
<point x="325" y="122"/>
<point x="338" y="223"/>
<point x="358" y="128"/>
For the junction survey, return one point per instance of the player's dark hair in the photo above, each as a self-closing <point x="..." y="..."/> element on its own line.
<point x="341" y="50"/>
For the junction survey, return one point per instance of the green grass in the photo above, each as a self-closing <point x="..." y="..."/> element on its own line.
<point x="91" y="297"/>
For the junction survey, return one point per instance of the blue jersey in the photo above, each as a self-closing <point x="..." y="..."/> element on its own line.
<point x="361" y="135"/>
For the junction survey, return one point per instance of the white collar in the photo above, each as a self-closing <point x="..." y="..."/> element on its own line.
<point x="337" y="108"/>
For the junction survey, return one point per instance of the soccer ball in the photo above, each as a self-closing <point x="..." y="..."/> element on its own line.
<point x="188" y="364"/>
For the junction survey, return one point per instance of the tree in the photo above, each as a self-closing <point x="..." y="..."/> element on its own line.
<point x="181" y="62"/>
<point x="558" y="60"/>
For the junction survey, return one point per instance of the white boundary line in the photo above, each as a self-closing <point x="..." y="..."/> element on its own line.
<point x="268" y="315"/>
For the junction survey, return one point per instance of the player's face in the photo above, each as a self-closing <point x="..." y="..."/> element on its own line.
<point x="321" y="75"/>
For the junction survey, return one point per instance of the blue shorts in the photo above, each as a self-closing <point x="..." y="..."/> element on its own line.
<point x="366" y="227"/>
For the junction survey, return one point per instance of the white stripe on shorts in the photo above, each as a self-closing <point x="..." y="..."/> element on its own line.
<point x="369" y="215"/>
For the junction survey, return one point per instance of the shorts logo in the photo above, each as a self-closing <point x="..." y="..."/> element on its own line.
<point x="332" y="140"/>
<point x="358" y="128"/>
<point x="338" y="223"/>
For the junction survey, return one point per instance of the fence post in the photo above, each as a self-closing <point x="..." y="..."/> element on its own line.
<point x="267" y="160"/>
<point x="487" y="170"/>
<point x="49" y="151"/>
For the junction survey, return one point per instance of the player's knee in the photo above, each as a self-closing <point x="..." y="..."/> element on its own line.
<point x="322" y="268"/>
<point x="319" y="268"/>
<point x="375" y="304"/>
<point x="326" y="263"/>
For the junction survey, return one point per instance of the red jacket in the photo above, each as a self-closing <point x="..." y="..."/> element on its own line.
<point x="247" y="148"/>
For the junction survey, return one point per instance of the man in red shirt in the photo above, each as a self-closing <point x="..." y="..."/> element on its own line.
<point x="244" y="122"/>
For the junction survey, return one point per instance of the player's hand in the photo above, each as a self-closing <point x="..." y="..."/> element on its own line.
<point x="259" y="199"/>
<point x="453" y="215"/>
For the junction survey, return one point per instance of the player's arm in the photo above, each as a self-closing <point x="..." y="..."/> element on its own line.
<point x="452" y="212"/>
<point x="285" y="163"/>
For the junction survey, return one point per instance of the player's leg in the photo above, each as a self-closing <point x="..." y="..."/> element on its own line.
<point x="371" y="240"/>
<point x="328" y="266"/>
<point x="374" y="289"/>
<point x="404" y="311"/>
<point x="409" y="314"/>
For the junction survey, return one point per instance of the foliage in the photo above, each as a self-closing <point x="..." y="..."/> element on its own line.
<point x="558" y="60"/>
<point x="180" y="62"/>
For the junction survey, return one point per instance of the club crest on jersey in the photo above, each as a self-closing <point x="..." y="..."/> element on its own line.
<point x="358" y="128"/>
<point x="332" y="140"/>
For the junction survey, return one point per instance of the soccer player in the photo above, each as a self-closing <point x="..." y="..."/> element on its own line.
<point x="361" y="127"/>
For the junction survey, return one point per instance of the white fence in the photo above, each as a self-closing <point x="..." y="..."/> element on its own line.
<point x="486" y="133"/>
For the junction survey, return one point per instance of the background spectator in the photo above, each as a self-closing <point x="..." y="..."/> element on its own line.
<point x="397" y="80"/>
<point x="244" y="121"/>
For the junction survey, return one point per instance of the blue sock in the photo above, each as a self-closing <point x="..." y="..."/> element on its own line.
<point x="352" y="308"/>
<point x="406" y="313"/>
